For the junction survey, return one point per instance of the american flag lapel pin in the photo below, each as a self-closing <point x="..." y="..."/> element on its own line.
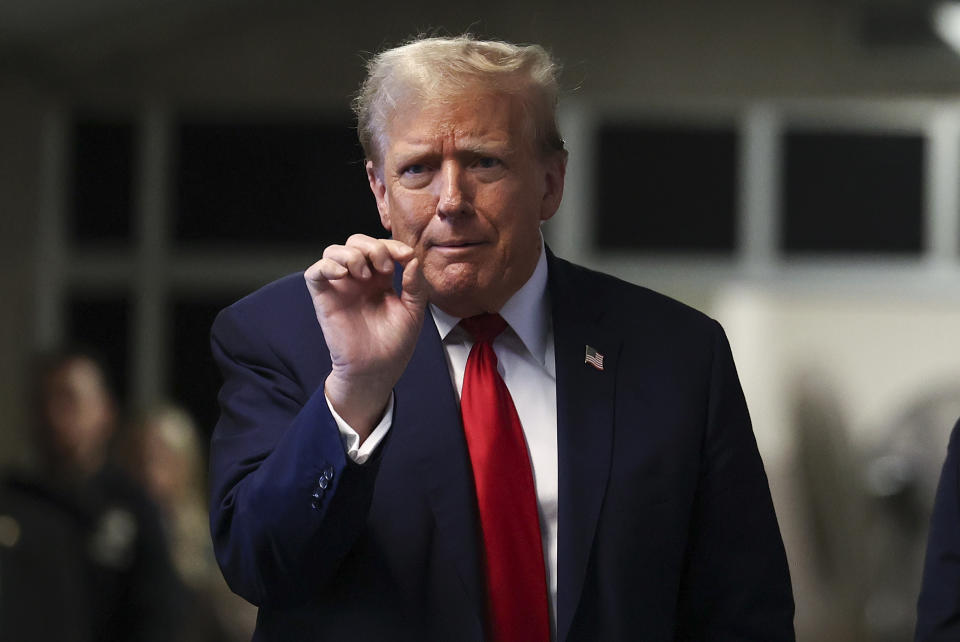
<point x="594" y="358"/>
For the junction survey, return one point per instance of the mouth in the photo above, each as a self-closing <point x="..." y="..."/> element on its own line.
<point x="455" y="246"/>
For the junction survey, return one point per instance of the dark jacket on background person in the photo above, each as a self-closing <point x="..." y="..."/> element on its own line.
<point x="43" y="586"/>
<point x="113" y="542"/>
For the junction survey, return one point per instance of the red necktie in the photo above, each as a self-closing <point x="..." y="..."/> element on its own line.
<point x="516" y="578"/>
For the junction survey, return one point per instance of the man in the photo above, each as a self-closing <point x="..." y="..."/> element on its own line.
<point x="938" y="608"/>
<point x="392" y="462"/>
<point x="118" y="571"/>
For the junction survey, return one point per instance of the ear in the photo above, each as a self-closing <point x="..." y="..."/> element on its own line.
<point x="555" y="167"/>
<point x="379" y="189"/>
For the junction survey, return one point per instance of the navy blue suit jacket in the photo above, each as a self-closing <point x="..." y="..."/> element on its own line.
<point x="666" y="526"/>
<point x="938" y="609"/>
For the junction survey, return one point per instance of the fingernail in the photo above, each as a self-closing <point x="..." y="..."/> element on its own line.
<point x="386" y="264"/>
<point x="365" y="272"/>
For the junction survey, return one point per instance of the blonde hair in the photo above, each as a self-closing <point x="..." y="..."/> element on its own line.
<point x="445" y="69"/>
<point x="184" y="504"/>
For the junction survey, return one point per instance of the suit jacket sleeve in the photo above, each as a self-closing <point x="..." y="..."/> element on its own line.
<point x="736" y="583"/>
<point x="938" y="608"/>
<point x="287" y="504"/>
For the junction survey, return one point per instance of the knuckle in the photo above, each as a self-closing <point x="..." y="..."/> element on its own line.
<point x="355" y="256"/>
<point x="356" y="239"/>
<point x="330" y="250"/>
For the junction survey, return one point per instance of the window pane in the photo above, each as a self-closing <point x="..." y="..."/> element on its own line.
<point x="101" y="322"/>
<point x="853" y="192"/>
<point x="102" y="185"/>
<point x="280" y="182"/>
<point x="194" y="377"/>
<point x="668" y="188"/>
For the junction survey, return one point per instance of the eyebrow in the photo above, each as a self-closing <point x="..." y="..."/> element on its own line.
<point x="415" y="149"/>
<point x="504" y="147"/>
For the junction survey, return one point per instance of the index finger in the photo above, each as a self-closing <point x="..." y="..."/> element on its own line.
<point x="376" y="251"/>
<point x="399" y="251"/>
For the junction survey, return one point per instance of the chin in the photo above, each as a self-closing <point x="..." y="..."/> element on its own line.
<point x="459" y="284"/>
<point x="453" y="277"/>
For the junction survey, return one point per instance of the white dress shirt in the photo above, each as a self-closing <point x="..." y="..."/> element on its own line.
<point x="525" y="356"/>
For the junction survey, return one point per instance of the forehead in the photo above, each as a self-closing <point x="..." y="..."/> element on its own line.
<point x="78" y="372"/>
<point x="469" y="118"/>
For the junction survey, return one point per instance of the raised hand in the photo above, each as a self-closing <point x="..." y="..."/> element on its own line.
<point x="370" y="330"/>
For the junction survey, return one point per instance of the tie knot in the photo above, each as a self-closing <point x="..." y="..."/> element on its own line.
<point x="484" y="327"/>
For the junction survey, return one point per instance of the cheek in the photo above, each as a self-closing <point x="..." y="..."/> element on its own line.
<point x="410" y="217"/>
<point x="516" y="217"/>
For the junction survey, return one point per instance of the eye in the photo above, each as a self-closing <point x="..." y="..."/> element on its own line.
<point x="416" y="175"/>
<point x="487" y="162"/>
<point x="413" y="170"/>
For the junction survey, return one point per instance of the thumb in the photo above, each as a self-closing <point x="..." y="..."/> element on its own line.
<point x="414" y="294"/>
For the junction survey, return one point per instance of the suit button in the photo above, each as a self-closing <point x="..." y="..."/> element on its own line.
<point x="328" y="473"/>
<point x="317" y="496"/>
<point x="323" y="483"/>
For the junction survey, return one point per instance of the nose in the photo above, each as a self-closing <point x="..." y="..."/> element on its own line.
<point x="454" y="199"/>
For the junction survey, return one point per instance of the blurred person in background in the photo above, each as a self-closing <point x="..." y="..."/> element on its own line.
<point x="938" y="607"/>
<point x="43" y="592"/>
<point x="163" y="451"/>
<point x="129" y="587"/>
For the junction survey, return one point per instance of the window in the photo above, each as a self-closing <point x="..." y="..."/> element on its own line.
<point x="273" y="182"/>
<point x="667" y="188"/>
<point x="853" y="192"/>
<point x="101" y="322"/>
<point x="102" y="180"/>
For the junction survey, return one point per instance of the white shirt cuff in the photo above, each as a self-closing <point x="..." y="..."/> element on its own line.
<point x="357" y="452"/>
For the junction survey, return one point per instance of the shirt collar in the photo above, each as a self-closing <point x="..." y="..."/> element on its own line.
<point x="527" y="312"/>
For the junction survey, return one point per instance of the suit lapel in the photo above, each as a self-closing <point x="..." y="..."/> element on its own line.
<point x="433" y="440"/>
<point x="585" y="409"/>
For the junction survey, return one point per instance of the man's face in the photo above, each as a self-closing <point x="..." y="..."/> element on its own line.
<point x="461" y="185"/>
<point x="78" y="413"/>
